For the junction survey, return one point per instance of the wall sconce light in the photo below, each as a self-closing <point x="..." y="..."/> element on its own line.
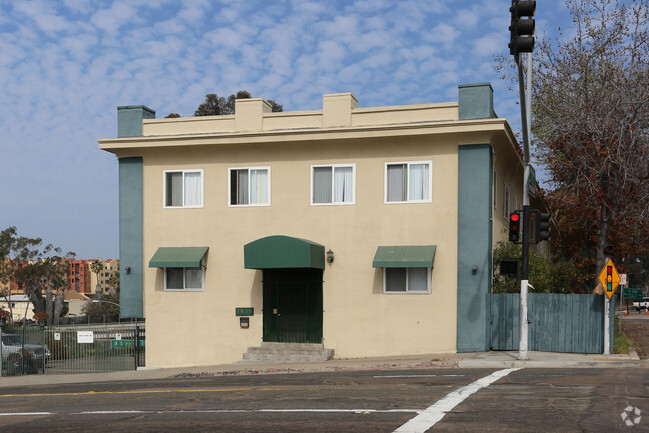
<point x="128" y="269"/>
<point x="330" y="256"/>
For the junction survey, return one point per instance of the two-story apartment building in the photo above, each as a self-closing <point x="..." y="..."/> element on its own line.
<point x="368" y="230"/>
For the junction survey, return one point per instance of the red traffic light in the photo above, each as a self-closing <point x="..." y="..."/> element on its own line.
<point x="514" y="227"/>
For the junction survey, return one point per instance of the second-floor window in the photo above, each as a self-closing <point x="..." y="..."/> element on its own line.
<point x="408" y="182"/>
<point x="183" y="188"/>
<point x="250" y="186"/>
<point x="333" y="184"/>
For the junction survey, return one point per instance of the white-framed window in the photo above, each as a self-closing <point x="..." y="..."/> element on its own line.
<point x="406" y="280"/>
<point x="249" y="186"/>
<point x="408" y="182"/>
<point x="183" y="188"/>
<point x="333" y="184"/>
<point x="506" y="208"/>
<point x="185" y="279"/>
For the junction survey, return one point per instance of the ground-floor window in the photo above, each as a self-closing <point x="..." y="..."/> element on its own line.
<point x="184" y="279"/>
<point x="406" y="280"/>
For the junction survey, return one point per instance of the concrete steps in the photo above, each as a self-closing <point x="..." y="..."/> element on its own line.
<point x="287" y="352"/>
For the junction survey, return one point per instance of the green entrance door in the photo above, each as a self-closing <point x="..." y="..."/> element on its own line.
<point x="293" y="305"/>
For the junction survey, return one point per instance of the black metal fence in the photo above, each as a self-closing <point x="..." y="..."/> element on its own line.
<point x="73" y="349"/>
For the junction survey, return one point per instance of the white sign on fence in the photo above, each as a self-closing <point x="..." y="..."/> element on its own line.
<point x="118" y="336"/>
<point x="85" y="337"/>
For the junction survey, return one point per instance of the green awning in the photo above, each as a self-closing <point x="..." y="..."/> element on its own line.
<point x="274" y="252"/>
<point x="178" y="257"/>
<point x="413" y="256"/>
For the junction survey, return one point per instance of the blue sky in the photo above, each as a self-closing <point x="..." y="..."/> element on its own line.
<point x="66" y="65"/>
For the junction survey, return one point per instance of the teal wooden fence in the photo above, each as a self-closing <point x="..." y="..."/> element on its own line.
<point x="557" y="322"/>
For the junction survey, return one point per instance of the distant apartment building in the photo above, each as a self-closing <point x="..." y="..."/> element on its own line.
<point x="105" y="278"/>
<point x="79" y="276"/>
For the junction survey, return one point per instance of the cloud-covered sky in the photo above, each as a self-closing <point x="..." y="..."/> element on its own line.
<point x="66" y="65"/>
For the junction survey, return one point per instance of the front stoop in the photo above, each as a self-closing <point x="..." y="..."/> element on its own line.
<point x="288" y="352"/>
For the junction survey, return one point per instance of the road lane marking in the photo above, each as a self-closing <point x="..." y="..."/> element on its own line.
<point x="421" y="375"/>
<point x="341" y="410"/>
<point x="26" y="413"/>
<point x="168" y="391"/>
<point x="430" y="416"/>
<point x="216" y="411"/>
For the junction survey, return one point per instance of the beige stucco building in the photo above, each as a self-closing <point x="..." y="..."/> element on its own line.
<point x="366" y="230"/>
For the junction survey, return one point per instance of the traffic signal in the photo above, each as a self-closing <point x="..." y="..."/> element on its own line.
<point x="609" y="278"/>
<point x="542" y="227"/>
<point x="522" y="29"/>
<point x="514" y="227"/>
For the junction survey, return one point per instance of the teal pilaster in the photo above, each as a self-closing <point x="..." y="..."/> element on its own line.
<point x="130" y="238"/>
<point x="474" y="247"/>
<point x="131" y="222"/>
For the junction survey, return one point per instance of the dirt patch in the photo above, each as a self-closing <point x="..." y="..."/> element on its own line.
<point x="639" y="331"/>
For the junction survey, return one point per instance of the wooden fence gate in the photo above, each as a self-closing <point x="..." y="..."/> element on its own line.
<point x="557" y="322"/>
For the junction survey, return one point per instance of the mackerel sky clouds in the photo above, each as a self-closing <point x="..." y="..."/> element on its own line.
<point x="66" y="65"/>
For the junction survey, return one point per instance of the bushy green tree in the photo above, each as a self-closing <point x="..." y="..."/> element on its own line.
<point x="104" y="311"/>
<point x="546" y="276"/>
<point x="38" y="270"/>
<point x="215" y="105"/>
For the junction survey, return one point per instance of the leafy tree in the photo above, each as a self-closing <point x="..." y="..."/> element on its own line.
<point x="546" y="276"/>
<point x="105" y="310"/>
<point x="591" y="124"/>
<point x="36" y="269"/>
<point x="215" y="105"/>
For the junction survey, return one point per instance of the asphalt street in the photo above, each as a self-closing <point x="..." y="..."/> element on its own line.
<point x="414" y="400"/>
<point x="486" y="392"/>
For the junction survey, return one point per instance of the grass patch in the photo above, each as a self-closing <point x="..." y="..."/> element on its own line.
<point x="623" y="343"/>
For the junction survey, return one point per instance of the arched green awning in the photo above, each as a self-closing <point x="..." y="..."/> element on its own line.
<point x="274" y="252"/>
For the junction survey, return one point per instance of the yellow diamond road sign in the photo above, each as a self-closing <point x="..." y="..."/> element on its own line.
<point x="609" y="278"/>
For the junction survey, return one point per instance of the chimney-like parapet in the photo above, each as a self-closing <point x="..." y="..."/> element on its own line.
<point x="337" y="109"/>
<point x="476" y="101"/>
<point x="129" y="119"/>
<point x="249" y="114"/>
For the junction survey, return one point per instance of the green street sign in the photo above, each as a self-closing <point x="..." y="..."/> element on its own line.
<point x="633" y="293"/>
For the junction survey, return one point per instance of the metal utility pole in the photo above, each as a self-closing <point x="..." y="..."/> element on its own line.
<point x="522" y="41"/>
<point x="525" y="259"/>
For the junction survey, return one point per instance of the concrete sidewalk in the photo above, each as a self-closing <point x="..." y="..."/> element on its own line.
<point x="487" y="360"/>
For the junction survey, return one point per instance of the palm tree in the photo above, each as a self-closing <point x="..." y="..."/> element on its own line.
<point x="97" y="266"/>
